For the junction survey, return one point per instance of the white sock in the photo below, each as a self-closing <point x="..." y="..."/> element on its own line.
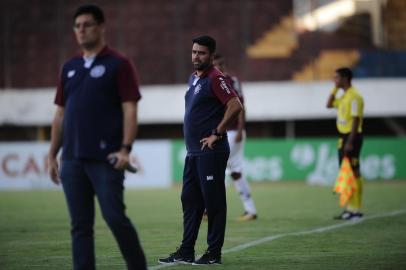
<point x="242" y="187"/>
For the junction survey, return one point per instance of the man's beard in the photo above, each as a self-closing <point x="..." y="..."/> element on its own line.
<point x="201" y="66"/>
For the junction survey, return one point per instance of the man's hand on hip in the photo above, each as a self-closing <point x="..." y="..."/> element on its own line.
<point x="209" y="141"/>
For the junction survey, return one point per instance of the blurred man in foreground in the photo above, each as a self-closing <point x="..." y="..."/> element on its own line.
<point x="96" y="120"/>
<point x="211" y="105"/>
<point x="236" y="138"/>
<point x="350" y="108"/>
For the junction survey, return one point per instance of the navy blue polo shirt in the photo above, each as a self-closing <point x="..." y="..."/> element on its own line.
<point x="92" y="97"/>
<point x="205" y="102"/>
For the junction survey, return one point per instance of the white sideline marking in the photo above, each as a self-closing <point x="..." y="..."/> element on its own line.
<point x="316" y="230"/>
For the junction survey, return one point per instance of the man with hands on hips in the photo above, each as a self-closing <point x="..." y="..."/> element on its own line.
<point x="211" y="104"/>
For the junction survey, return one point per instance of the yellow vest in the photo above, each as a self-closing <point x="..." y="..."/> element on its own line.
<point x="349" y="105"/>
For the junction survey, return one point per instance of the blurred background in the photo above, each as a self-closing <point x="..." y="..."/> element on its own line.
<point x="285" y="53"/>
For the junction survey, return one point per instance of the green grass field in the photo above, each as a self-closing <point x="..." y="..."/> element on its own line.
<point x="34" y="230"/>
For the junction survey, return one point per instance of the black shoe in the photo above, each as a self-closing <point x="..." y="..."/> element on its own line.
<point x="357" y="215"/>
<point x="178" y="257"/>
<point x="208" y="258"/>
<point x="347" y="215"/>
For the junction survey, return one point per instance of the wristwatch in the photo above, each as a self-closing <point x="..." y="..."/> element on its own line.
<point x="216" y="133"/>
<point x="127" y="147"/>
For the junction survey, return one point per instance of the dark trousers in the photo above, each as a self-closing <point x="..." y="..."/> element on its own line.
<point x="81" y="181"/>
<point x="204" y="188"/>
<point x="354" y="154"/>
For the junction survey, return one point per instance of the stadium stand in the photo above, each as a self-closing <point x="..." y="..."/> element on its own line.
<point x="155" y="34"/>
<point x="280" y="41"/>
<point x="394" y="15"/>
<point x="258" y="38"/>
<point x="326" y="63"/>
<point x="380" y="63"/>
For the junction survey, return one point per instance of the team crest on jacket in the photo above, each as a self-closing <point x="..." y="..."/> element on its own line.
<point x="71" y="73"/>
<point x="97" y="71"/>
<point x="197" y="89"/>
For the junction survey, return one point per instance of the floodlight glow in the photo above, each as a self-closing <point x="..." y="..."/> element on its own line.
<point x="328" y="14"/>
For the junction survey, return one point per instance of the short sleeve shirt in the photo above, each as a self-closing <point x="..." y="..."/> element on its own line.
<point x="349" y="105"/>
<point x="92" y="98"/>
<point x="238" y="89"/>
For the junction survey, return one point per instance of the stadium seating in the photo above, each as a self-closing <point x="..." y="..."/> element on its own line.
<point x="394" y="15"/>
<point x="323" y="67"/>
<point x="280" y="41"/>
<point x="380" y="63"/>
<point x="256" y="36"/>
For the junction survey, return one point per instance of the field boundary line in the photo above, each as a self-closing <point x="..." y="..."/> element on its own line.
<point x="298" y="233"/>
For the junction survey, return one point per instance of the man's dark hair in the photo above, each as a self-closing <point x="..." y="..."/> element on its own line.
<point x="94" y="10"/>
<point x="207" y="41"/>
<point x="345" y="72"/>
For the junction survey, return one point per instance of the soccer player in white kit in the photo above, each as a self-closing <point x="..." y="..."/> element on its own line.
<point x="236" y="139"/>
